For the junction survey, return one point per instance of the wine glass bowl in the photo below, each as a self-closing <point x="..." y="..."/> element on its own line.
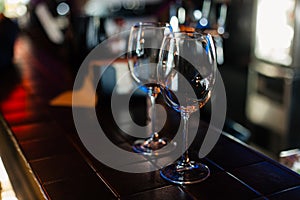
<point x="186" y="72"/>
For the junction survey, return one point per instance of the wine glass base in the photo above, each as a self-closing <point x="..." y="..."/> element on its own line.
<point x="188" y="173"/>
<point x="150" y="146"/>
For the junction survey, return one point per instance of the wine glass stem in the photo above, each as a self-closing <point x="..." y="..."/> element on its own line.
<point x="154" y="134"/>
<point x="185" y="157"/>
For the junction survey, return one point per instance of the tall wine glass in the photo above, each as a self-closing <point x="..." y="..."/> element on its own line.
<point x="143" y="50"/>
<point x="187" y="70"/>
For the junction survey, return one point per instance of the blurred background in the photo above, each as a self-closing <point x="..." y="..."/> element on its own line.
<point x="256" y="42"/>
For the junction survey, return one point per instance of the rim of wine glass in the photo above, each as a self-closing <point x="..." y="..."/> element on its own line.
<point x="151" y="24"/>
<point x="183" y="33"/>
<point x="204" y="36"/>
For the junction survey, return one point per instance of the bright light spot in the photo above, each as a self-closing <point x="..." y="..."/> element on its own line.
<point x="21" y="10"/>
<point x="221" y="30"/>
<point x="181" y="15"/>
<point x="92" y="8"/>
<point x="197" y="14"/>
<point x="274" y="30"/>
<point x="174" y="23"/>
<point x="220" y="55"/>
<point x="25" y="1"/>
<point x="11" y="1"/>
<point x="14" y="8"/>
<point x="203" y="22"/>
<point x="62" y="8"/>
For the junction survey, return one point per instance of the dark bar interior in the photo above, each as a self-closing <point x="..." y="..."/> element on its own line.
<point x="62" y="62"/>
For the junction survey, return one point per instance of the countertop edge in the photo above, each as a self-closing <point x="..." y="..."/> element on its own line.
<point x="23" y="179"/>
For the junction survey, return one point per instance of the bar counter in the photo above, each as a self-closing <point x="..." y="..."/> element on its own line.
<point x="62" y="168"/>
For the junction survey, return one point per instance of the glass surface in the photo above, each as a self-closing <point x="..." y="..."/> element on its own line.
<point x="143" y="50"/>
<point x="186" y="71"/>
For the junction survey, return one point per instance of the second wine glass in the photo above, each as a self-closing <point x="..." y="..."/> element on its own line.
<point x="187" y="71"/>
<point x="143" y="50"/>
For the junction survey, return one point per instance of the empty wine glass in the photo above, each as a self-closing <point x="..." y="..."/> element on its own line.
<point x="186" y="70"/>
<point x="143" y="50"/>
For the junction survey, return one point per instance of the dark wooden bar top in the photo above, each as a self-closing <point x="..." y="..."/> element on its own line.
<point x="65" y="170"/>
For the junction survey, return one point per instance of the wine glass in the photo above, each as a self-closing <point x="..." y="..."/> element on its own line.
<point x="186" y="71"/>
<point x="143" y="50"/>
